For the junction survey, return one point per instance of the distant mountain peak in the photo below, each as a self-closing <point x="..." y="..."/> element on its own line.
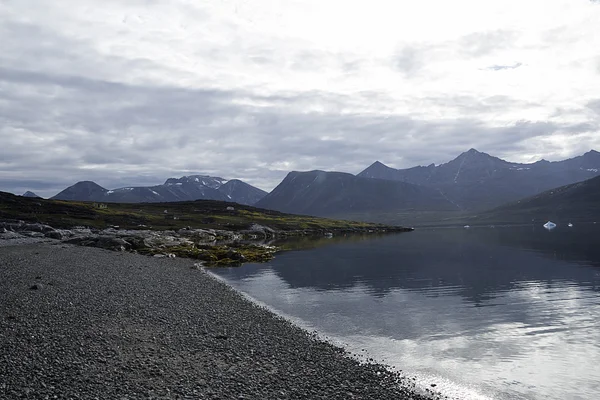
<point x="476" y="153"/>
<point x="30" y="194"/>
<point x="82" y="190"/>
<point x="89" y="183"/>
<point x="476" y="156"/>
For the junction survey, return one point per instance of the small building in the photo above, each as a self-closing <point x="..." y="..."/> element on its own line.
<point x="100" y="206"/>
<point x="230" y="208"/>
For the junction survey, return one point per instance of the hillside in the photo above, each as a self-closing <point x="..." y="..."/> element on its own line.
<point x="199" y="214"/>
<point x="336" y="194"/>
<point x="578" y="202"/>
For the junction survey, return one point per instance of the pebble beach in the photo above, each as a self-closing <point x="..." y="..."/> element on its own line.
<point x="87" y="323"/>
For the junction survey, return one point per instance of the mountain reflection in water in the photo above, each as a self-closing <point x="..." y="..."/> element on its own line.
<point x="484" y="313"/>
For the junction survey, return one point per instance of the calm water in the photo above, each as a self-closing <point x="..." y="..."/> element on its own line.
<point x="484" y="313"/>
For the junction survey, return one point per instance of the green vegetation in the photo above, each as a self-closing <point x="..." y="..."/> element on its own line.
<point x="219" y="255"/>
<point x="200" y="214"/>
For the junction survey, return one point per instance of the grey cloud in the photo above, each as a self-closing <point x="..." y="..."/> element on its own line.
<point x="124" y="135"/>
<point x="504" y="67"/>
<point x="594" y="105"/>
<point x="410" y="60"/>
<point x="484" y="43"/>
<point x="466" y="104"/>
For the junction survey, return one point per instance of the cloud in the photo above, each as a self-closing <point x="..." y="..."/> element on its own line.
<point x="92" y="126"/>
<point x="410" y="60"/>
<point x="479" y="44"/>
<point x="504" y="67"/>
<point x="131" y="94"/>
<point x="594" y="105"/>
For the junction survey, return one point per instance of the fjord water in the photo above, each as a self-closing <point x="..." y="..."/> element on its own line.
<point x="482" y="313"/>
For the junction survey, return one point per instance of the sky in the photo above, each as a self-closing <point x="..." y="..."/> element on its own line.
<point x="132" y="92"/>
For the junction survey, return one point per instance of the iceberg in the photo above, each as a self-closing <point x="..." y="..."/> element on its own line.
<point x="549" y="225"/>
<point x="570" y="225"/>
<point x="467" y="226"/>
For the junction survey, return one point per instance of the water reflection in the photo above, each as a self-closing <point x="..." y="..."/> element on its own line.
<point x="486" y="313"/>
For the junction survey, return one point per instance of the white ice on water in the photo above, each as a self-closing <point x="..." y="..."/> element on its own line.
<point x="549" y="225"/>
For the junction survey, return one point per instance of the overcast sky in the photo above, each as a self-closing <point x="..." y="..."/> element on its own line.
<point x="131" y="92"/>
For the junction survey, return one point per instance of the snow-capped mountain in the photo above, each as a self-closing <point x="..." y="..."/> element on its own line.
<point x="186" y="188"/>
<point x="213" y="182"/>
<point x="476" y="180"/>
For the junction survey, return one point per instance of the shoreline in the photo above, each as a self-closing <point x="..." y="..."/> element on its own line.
<point x="107" y="324"/>
<point x="210" y="247"/>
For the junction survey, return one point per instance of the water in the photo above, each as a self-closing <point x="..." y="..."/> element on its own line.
<point x="484" y="313"/>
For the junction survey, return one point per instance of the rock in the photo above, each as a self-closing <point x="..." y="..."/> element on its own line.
<point x="10" y="235"/>
<point x="32" y="234"/>
<point x="36" y="286"/>
<point x="235" y="256"/>
<point x="104" y="242"/>
<point x="37" y="228"/>
<point x="80" y="230"/>
<point x="54" y="235"/>
<point x="113" y="243"/>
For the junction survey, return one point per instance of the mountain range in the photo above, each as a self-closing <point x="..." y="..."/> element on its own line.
<point x="479" y="181"/>
<point x="468" y="185"/>
<point x="186" y="188"/>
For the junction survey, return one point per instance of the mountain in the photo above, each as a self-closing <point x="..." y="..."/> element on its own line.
<point x="330" y="194"/>
<point x="576" y="202"/>
<point x="242" y="192"/>
<point x="186" y="188"/>
<point x="31" y="194"/>
<point x="82" y="191"/>
<point x="476" y="180"/>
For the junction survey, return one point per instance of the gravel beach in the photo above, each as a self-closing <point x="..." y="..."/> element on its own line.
<point x="86" y="323"/>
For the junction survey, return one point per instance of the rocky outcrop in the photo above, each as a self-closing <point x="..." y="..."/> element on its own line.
<point x="15" y="230"/>
<point x="211" y="246"/>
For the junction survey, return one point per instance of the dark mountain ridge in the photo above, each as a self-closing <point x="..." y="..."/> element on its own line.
<point x="186" y="188"/>
<point x="477" y="181"/>
<point x="332" y="194"/>
<point x="578" y="202"/>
